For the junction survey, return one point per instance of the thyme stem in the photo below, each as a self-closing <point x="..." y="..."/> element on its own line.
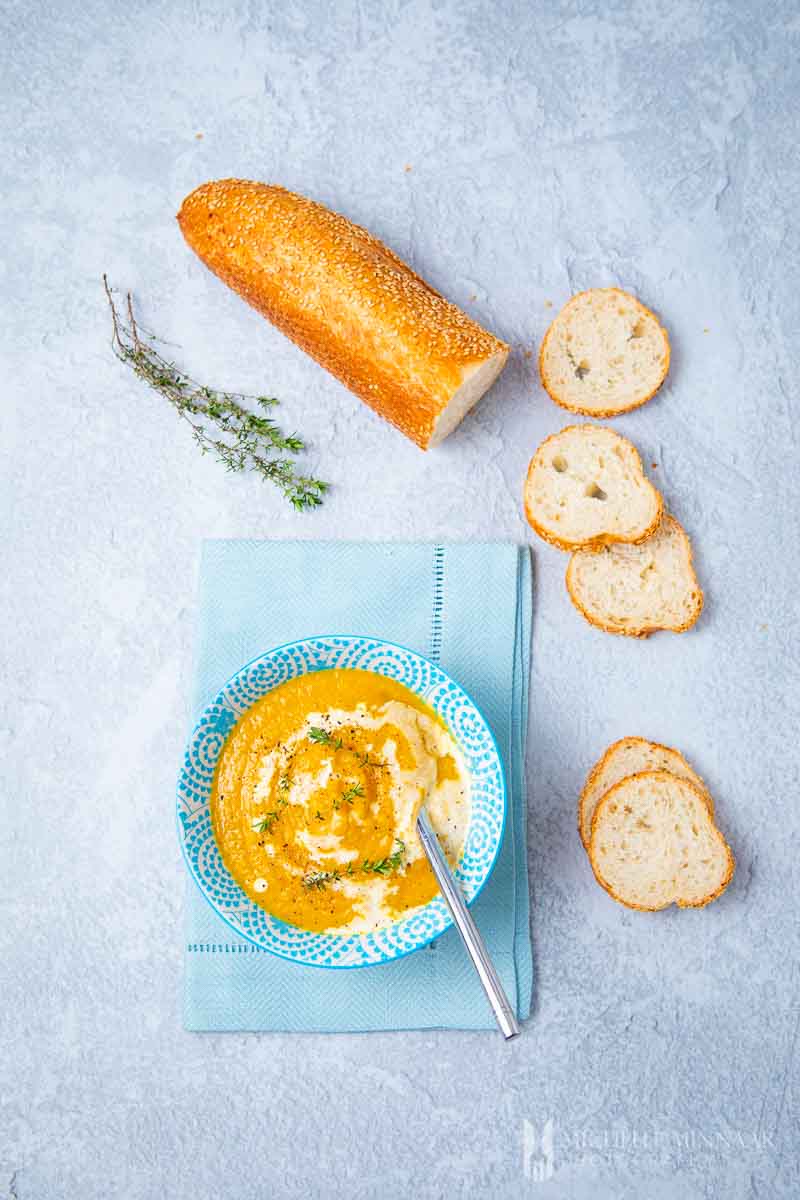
<point x="318" y="880"/>
<point x="221" y="424"/>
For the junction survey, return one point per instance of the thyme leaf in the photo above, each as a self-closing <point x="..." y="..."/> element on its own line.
<point x="318" y="880"/>
<point x="365" y="761"/>
<point x="221" y="424"/>
<point x="264" y="824"/>
<point x="323" y="738"/>
<point x="351" y="793"/>
<point x="383" y="866"/>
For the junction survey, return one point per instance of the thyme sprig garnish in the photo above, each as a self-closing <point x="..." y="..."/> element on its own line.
<point x="318" y="880"/>
<point x="324" y="738"/>
<point x="264" y="824"/>
<point x="366" y="761"/>
<point x="383" y="866"/>
<point x="348" y="796"/>
<point x="220" y="423"/>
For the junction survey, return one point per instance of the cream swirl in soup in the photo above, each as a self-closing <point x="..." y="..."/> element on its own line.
<point x="316" y="795"/>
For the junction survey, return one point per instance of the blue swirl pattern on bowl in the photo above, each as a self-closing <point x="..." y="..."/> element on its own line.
<point x="468" y="727"/>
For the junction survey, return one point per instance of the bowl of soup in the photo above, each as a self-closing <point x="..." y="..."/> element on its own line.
<point x="299" y="793"/>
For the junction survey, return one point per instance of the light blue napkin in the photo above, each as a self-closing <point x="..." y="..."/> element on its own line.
<point x="467" y="607"/>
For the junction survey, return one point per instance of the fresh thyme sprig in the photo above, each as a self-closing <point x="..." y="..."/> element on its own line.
<point x="350" y="794"/>
<point x="220" y="422"/>
<point x="383" y="866"/>
<point x="366" y="761"/>
<point x="264" y="824"/>
<point x="318" y="880"/>
<point x="323" y="738"/>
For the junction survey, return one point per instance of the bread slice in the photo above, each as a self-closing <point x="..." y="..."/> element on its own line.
<point x="586" y="486"/>
<point x="605" y="353"/>
<point x="630" y="756"/>
<point x="636" y="590"/>
<point x="654" y="844"/>
<point x="348" y="301"/>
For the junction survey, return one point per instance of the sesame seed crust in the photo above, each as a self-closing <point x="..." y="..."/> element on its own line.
<point x="341" y="295"/>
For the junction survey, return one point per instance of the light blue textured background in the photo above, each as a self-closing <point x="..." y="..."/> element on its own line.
<point x="513" y="152"/>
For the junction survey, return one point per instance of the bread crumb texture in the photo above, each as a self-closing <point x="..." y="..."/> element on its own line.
<point x="586" y="486"/>
<point x="654" y="843"/>
<point x="604" y="354"/>
<point x="630" y="756"/>
<point x="635" y="590"/>
<point x="343" y="297"/>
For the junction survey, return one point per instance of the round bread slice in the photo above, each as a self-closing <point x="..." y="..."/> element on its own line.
<point x="636" y="590"/>
<point x="631" y="756"/>
<point x="604" y="354"/>
<point x="654" y="844"/>
<point x="586" y="486"/>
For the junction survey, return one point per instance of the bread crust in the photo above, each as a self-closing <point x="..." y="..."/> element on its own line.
<point x="602" y="539"/>
<point x="342" y="296"/>
<point x="665" y="775"/>
<point x="602" y="414"/>
<point x="599" y="766"/>
<point x="645" y="630"/>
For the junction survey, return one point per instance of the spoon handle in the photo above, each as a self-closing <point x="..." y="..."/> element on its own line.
<point x="472" y="939"/>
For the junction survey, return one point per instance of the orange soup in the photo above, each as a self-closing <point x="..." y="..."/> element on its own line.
<point x="316" y="794"/>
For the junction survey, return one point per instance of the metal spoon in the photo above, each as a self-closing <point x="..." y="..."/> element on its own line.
<point x="476" y="948"/>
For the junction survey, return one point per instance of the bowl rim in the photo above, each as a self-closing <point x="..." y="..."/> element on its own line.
<point x="215" y="699"/>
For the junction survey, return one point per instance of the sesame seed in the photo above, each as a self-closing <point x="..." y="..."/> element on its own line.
<point x="300" y="265"/>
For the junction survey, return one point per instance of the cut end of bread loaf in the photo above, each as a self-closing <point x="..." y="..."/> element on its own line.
<point x="654" y="843"/>
<point x="604" y="354"/>
<point x="477" y="381"/>
<point x="635" y="590"/>
<point x="586" y="486"/>
<point x="348" y="301"/>
<point x="631" y="756"/>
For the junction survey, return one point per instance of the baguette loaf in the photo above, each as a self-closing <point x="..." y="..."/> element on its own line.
<point x="631" y="756"/>
<point x="636" y="590"/>
<point x="586" y="487"/>
<point x="348" y="301"/>
<point x="654" y="844"/>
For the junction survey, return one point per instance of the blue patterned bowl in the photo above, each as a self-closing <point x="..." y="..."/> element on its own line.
<point x="468" y="727"/>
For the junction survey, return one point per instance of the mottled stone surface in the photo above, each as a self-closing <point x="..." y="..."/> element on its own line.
<point x="513" y="152"/>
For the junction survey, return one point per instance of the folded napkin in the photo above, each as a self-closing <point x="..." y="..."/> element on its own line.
<point x="466" y="607"/>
